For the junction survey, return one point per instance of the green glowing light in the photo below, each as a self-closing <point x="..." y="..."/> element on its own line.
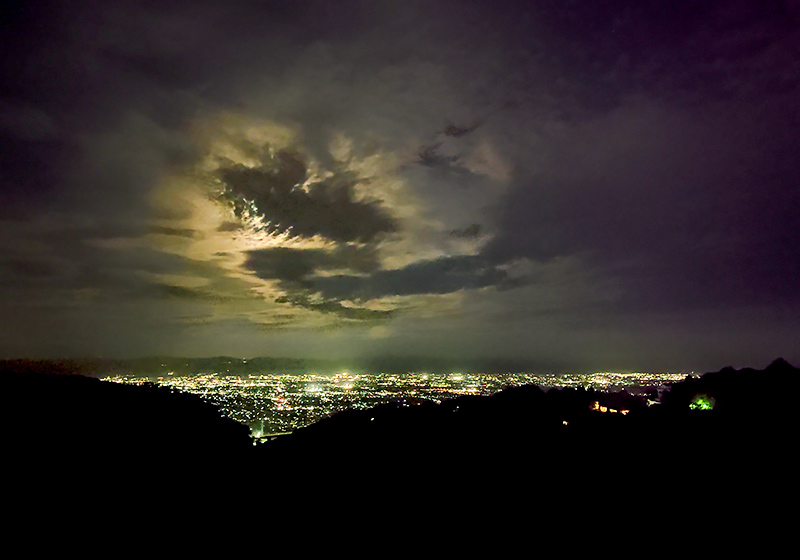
<point x="702" y="402"/>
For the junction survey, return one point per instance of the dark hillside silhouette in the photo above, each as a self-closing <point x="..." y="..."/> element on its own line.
<point x="756" y="394"/>
<point x="528" y="429"/>
<point x="52" y="417"/>
<point x="65" y="431"/>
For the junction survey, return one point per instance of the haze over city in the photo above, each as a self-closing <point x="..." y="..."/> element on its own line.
<point x="571" y="185"/>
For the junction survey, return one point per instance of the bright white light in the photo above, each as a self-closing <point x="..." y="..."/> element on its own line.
<point x="314" y="388"/>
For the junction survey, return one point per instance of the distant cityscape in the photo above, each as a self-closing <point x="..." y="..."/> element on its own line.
<point x="276" y="403"/>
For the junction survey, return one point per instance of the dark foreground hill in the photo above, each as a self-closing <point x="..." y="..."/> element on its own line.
<point x="46" y="409"/>
<point x="728" y="433"/>
<point x="59" y="422"/>
<point x="555" y="453"/>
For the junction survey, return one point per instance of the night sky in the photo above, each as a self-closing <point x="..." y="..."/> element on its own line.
<point x="576" y="184"/>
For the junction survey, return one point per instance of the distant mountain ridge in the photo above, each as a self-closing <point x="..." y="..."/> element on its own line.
<point x="163" y="365"/>
<point x="229" y="365"/>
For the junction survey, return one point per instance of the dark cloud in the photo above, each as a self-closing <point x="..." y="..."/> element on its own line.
<point x="230" y="226"/>
<point x="56" y="264"/>
<point x="439" y="276"/>
<point x="327" y="208"/>
<point x="472" y="231"/>
<point x="298" y="265"/>
<point x="159" y="290"/>
<point x="173" y="231"/>
<point x="14" y="271"/>
<point x="457" y="131"/>
<point x="430" y="156"/>
<point x="296" y="270"/>
<point x="335" y="307"/>
<point x="288" y="265"/>
<point x="692" y="49"/>
<point x="697" y="211"/>
<point x="31" y="172"/>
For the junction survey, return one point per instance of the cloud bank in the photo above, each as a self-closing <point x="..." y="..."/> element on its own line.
<point x="566" y="183"/>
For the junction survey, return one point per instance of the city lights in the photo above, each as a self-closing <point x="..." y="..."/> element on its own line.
<point x="275" y="403"/>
